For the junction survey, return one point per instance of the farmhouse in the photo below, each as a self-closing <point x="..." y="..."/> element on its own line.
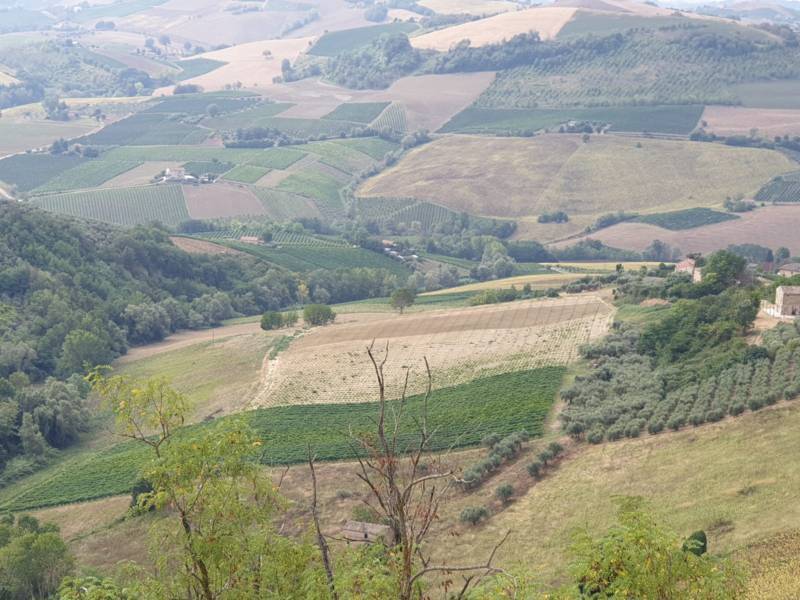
<point x="690" y="266"/>
<point x="789" y="270"/>
<point x="359" y="532"/>
<point x="787" y="302"/>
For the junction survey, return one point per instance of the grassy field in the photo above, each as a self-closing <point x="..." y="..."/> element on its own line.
<point x="345" y="158"/>
<point x="376" y="148"/>
<point x="507" y="177"/>
<point x="121" y="206"/>
<point x="272" y="158"/>
<point x="258" y="116"/>
<point x="678" y="119"/>
<point x="687" y="219"/>
<point x="194" y="67"/>
<point x="769" y="94"/>
<point x="308" y="128"/>
<point x="197" y="104"/>
<point x="19" y="133"/>
<point x="319" y="186"/>
<point x="246" y="173"/>
<point x="461" y="415"/>
<point x="336" y="42"/>
<point x="284" y="206"/>
<point x="88" y="174"/>
<point x="147" y="129"/>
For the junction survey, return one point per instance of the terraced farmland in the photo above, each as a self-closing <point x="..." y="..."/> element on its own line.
<point x="123" y="206"/>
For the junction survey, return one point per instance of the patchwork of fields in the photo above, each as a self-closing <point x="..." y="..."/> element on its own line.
<point x="461" y="345"/>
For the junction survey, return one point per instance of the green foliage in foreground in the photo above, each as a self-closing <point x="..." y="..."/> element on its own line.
<point x="462" y="415"/>
<point x="686" y="219"/>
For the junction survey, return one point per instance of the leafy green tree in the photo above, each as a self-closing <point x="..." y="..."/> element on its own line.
<point x="639" y="558"/>
<point x="318" y="314"/>
<point x="271" y="320"/>
<point x="504" y="492"/>
<point x="724" y="268"/>
<point x="402" y="299"/>
<point x="91" y="588"/>
<point x="83" y="350"/>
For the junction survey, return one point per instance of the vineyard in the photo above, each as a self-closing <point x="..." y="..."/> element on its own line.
<point x="252" y="117"/>
<point x="319" y="186"/>
<point x="281" y="238"/>
<point x="89" y="174"/>
<point x="404" y="210"/>
<point x="284" y="206"/>
<point x="374" y="147"/>
<point x="357" y="112"/>
<point x="394" y="118"/>
<point x="29" y="171"/>
<point x="194" y="67"/>
<point x="271" y="158"/>
<point x="461" y="345"/>
<point x="344" y="158"/>
<point x="202" y="167"/>
<point x="123" y="206"/>
<point x="676" y="119"/>
<point x="686" y="219"/>
<point x="665" y="68"/>
<point x="607" y="407"/>
<point x="309" y="128"/>
<point x="246" y="173"/>
<point x="305" y="258"/>
<point x="461" y="416"/>
<point x="197" y="104"/>
<point x="784" y="188"/>
<point x="145" y="129"/>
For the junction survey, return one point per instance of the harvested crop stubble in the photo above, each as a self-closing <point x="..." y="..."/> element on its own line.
<point x="461" y="345"/>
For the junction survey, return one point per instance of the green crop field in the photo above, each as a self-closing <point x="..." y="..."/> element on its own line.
<point x="676" y="119"/>
<point x="357" y="112"/>
<point x="336" y="42"/>
<point x="783" y="188"/>
<point x="209" y="166"/>
<point x="246" y="173"/>
<point x="375" y="147"/>
<point x="147" y="129"/>
<point x="194" y="67"/>
<point x="29" y="171"/>
<point x="197" y="104"/>
<point x="460" y="415"/>
<point x="285" y="206"/>
<point x="646" y="67"/>
<point x="597" y="23"/>
<point x="310" y="258"/>
<point x="323" y="188"/>
<point x="258" y="116"/>
<point x="687" y="219"/>
<point x="281" y="238"/>
<point x="394" y="117"/>
<point x="92" y="173"/>
<point x="123" y="8"/>
<point x="344" y="158"/>
<point x="271" y="158"/>
<point x="307" y="128"/>
<point x="121" y="206"/>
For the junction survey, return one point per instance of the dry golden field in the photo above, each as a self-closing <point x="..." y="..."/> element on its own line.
<point x="329" y="364"/>
<point x="739" y="120"/>
<point x="469" y="7"/>
<point x="518" y="178"/>
<point x="546" y="21"/>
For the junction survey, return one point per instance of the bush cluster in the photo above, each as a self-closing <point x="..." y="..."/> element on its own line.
<point x="500" y="450"/>
<point x="545" y="459"/>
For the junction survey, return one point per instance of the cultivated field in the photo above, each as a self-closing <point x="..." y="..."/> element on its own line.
<point x="461" y="345"/>
<point x="504" y="177"/>
<point x="738" y="120"/>
<point x="195" y="246"/>
<point x="771" y="226"/>
<point x="18" y="134"/>
<point x="247" y="64"/>
<point x="221" y="200"/>
<point x="537" y="281"/>
<point x="546" y="21"/>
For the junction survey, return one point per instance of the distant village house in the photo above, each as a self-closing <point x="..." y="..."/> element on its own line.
<point x="787" y="302"/>
<point x="690" y="267"/>
<point x="789" y="270"/>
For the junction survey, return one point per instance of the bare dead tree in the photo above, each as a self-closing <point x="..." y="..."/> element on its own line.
<point x="322" y="543"/>
<point x="407" y="485"/>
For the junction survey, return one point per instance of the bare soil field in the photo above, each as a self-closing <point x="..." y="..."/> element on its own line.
<point x="546" y="21"/>
<point x="507" y="177"/>
<point x="738" y="120"/>
<point x="460" y="344"/>
<point x="195" y="246"/>
<point x="772" y="226"/>
<point x="221" y="200"/>
<point x="247" y="64"/>
<point x="469" y="7"/>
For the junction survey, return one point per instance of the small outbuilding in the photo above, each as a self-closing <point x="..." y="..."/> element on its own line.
<point x="690" y="267"/>
<point x="358" y="532"/>
<point x="789" y="270"/>
<point x="787" y="302"/>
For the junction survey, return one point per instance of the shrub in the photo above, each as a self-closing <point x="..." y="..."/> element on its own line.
<point x="595" y="435"/>
<point x="555" y="449"/>
<point x="140" y="488"/>
<point x="535" y="469"/>
<point x="290" y="318"/>
<point x="318" y="314"/>
<point x="271" y="320"/>
<point x="545" y="455"/>
<point x="490" y="440"/>
<point x="504" y="492"/>
<point x="365" y="514"/>
<point x="474" y="514"/>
